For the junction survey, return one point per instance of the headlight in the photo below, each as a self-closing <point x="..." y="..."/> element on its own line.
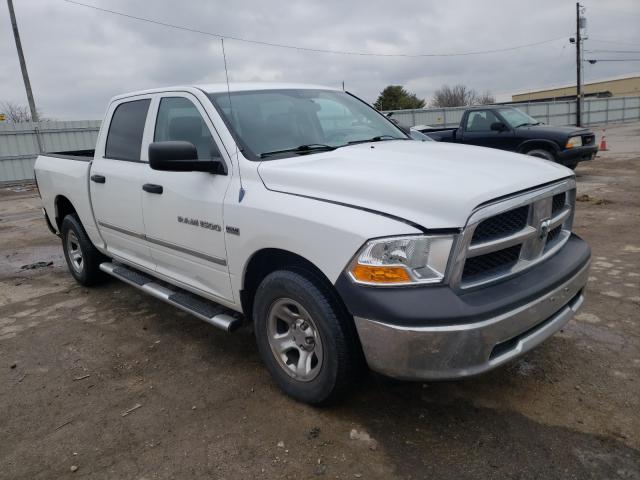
<point x="404" y="260"/>
<point x="574" y="142"/>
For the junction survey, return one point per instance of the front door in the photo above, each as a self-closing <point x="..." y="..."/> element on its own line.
<point x="478" y="131"/>
<point x="116" y="175"/>
<point x="183" y="210"/>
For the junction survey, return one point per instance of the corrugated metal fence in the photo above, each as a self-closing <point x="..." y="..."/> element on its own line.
<point x="20" y="144"/>
<point x="596" y="111"/>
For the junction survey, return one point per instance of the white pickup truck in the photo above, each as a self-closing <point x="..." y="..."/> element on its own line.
<point x="305" y="211"/>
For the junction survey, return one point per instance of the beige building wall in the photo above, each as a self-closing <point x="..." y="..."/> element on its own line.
<point x="623" y="87"/>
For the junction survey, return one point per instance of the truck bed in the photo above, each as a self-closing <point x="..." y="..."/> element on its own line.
<point x="80" y="155"/>
<point x="441" y="134"/>
<point x="65" y="175"/>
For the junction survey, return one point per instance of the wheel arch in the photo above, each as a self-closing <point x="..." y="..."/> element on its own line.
<point x="529" y="145"/>
<point x="63" y="207"/>
<point x="267" y="260"/>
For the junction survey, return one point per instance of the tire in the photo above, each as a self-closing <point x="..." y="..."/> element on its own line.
<point x="83" y="259"/>
<point x="285" y="302"/>
<point x="542" y="153"/>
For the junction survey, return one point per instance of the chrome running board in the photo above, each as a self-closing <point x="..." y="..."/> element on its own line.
<point x="212" y="313"/>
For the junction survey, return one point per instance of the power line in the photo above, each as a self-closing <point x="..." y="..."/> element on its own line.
<point x="592" y="61"/>
<point x="635" y="44"/>
<point x="308" y="49"/>
<point x="612" y="51"/>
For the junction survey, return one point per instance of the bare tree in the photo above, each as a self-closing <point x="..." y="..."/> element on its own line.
<point x="485" y="98"/>
<point x="458" y="96"/>
<point x="16" y="113"/>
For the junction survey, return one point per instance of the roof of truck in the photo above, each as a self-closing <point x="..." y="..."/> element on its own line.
<point x="233" y="87"/>
<point x="238" y="87"/>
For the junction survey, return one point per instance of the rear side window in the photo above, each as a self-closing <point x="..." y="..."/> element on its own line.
<point x="179" y="119"/>
<point x="124" y="140"/>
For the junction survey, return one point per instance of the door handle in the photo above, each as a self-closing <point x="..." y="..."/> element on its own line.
<point x="152" y="188"/>
<point x="98" y="178"/>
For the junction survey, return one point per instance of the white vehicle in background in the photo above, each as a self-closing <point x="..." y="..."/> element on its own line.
<point x="305" y="211"/>
<point x="419" y="136"/>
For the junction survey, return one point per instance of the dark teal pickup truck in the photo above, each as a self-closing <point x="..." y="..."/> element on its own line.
<point x="508" y="128"/>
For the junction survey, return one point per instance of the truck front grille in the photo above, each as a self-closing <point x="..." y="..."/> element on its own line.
<point x="509" y="236"/>
<point x="491" y="263"/>
<point x="558" y="202"/>
<point x="502" y="224"/>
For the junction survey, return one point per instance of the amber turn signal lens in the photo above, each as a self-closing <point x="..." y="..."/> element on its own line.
<point x="370" y="274"/>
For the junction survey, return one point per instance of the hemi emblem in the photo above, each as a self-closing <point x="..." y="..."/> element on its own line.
<point x="232" y="230"/>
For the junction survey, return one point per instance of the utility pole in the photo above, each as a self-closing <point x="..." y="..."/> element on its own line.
<point x="578" y="70"/>
<point x="23" y="65"/>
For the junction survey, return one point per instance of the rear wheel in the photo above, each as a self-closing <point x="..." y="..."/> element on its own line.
<point x="304" y="337"/>
<point x="83" y="259"/>
<point x="542" y="153"/>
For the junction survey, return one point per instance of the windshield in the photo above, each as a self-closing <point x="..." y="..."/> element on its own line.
<point x="283" y="123"/>
<point x="517" y="118"/>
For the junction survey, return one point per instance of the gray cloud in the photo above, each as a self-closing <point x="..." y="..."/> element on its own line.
<point x="78" y="58"/>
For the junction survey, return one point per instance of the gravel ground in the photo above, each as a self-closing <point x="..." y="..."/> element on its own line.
<point x="110" y="383"/>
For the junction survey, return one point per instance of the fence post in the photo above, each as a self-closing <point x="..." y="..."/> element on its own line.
<point x="36" y="131"/>
<point x="606" y="111"/>
<point x="413" y="118"/>
<point x="444" y="117"/>
<point x="548" y="120"/>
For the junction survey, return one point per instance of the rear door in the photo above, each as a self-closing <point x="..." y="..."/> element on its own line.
<point x="117" y="173"/>
<point x="183" y="218"/>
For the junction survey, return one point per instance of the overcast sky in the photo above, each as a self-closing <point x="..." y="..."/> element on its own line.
<point x="78" y="58"/>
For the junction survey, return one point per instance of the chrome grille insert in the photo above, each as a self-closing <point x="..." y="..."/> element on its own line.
<point x="508" y="236"/>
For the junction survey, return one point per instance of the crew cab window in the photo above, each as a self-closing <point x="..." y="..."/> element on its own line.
<point x="124" y="140"/>
<point x="481" y="120"/>
<point x="179" y="119"/>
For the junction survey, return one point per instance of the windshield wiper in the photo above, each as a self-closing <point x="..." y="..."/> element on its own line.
<point x="377" y="138"/>
<point x="527" y="124"/>
<point x="312" y="147"/>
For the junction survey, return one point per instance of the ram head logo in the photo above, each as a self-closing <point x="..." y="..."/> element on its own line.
<point x="543" y="229"/>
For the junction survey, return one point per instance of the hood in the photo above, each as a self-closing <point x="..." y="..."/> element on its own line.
<point x="435" y="185"/>
<point x="550" y="130"/>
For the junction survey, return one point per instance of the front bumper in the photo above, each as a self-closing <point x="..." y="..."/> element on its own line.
<point x="572" y="156"/>
<point x="509" y="320"/>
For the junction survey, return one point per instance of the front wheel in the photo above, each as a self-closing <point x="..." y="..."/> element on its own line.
<point x="83" y="259"/>
<point x="304" y="336"/>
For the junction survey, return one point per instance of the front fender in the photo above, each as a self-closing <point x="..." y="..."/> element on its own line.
<point x="326" y="234"/>
<point x="538" y="143"/>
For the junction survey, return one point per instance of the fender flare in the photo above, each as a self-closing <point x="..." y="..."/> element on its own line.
<point x="539" y="143"/>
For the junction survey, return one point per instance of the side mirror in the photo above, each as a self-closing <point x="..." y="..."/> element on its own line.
<point x="180" y="156"/>
<point x="499" y="127"/>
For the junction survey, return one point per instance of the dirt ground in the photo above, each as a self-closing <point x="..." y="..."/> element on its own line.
<point x="110" y="383"/>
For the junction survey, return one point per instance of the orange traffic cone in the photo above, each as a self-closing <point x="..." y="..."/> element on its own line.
<point x="603" y="142"/>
